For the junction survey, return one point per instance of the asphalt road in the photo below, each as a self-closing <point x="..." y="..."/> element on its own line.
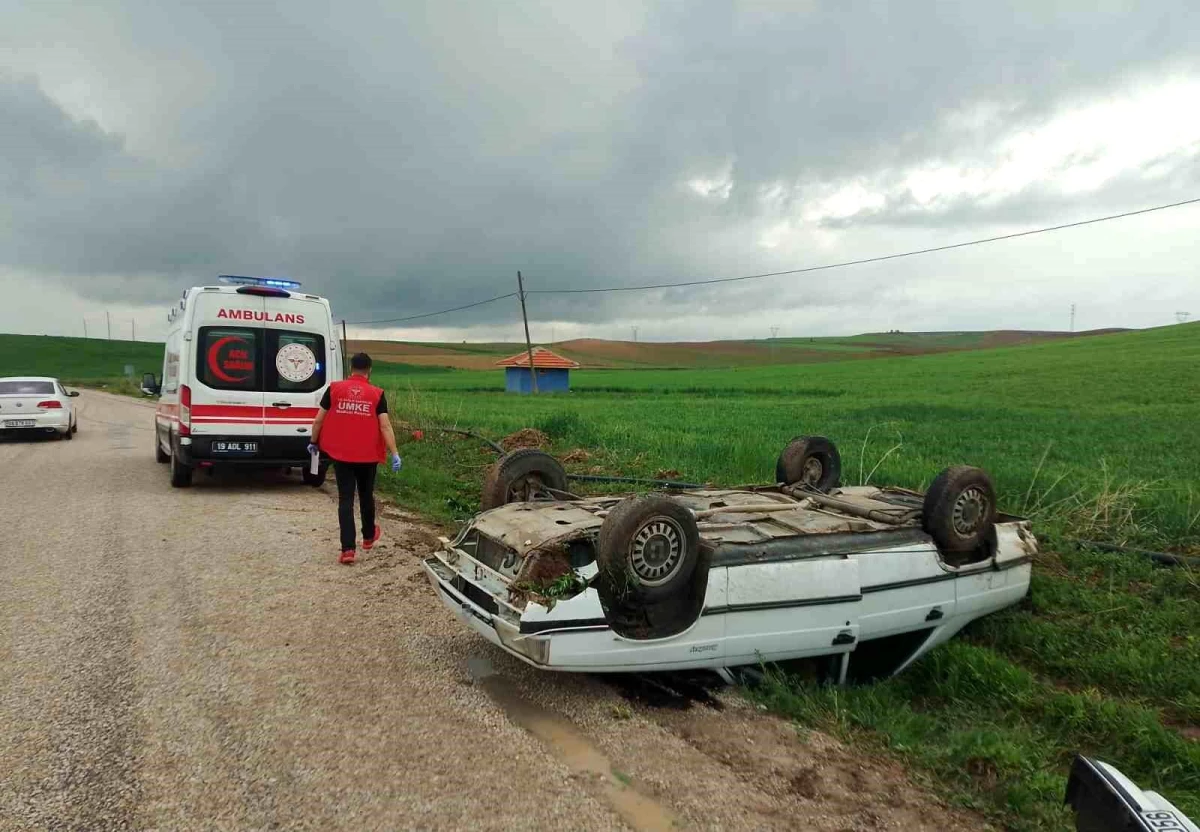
<point x="196" y="659"/>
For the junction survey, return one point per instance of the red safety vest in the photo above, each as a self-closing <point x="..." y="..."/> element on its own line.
<point x="351" y="432"/>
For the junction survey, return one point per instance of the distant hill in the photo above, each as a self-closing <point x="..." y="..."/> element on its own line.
<point x="598" y="353"/>
<point x="82" y="359"/>
<point x="77" y="359"/>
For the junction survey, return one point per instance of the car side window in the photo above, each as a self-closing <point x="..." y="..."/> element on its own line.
<point x="230" y="358"/>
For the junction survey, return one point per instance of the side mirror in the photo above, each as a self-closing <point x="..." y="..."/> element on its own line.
<point x="73" y="393"/>
<point x="150" y="385"/>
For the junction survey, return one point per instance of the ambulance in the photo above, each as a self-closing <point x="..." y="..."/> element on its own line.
<point x="245" y="365"/>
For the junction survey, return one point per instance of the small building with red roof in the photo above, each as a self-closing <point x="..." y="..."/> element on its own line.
<point x="553" y="372"/>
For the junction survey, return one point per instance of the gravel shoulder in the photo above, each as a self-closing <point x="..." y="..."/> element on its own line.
<point x="196" y="658"/>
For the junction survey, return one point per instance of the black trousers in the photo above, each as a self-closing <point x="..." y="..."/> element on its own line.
<point x="352" y="476"/>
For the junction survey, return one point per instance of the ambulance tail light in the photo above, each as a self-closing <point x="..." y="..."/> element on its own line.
<point x="185" y="410"/>
<point x="50" y="404"/>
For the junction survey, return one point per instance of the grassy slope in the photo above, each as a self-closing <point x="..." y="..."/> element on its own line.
<point x="77" y="359"/>
<point x="1093" y="437"/>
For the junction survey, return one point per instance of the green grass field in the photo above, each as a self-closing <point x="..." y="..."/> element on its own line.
<point x="1094" y="438"/>
<point x="78" y="360"/>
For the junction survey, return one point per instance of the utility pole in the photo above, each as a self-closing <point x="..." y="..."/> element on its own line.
<point x="85" y="326"/>
<point x="1182" y="317"/>
<point x="774" y="332"/>
<point x="528" y="343"/>
<point x="345" y="358"/>
<point x="1072" y="317"/>
<point x="635" y="329"/>
<point x="108" y="323"/>
<point x="133" y="328"/>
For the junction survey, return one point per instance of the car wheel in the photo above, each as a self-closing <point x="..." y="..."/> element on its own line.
<point x="68" y="435"/>
<point x="160" y="456"/>
<point x="812" y="462"/>
<point x="960" y="509"/>
<point x="181" y="475"/>
<point x="75" y="426"/>
<point x="648" y="548"/>
<point x="315" y="480"/>
<point x="523" y="476"/>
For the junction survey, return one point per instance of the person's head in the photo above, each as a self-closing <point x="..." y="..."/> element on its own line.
<point x="360" y="364"/>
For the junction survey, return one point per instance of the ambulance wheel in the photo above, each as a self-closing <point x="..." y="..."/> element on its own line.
<point x="523" y="476"/>
<point x="648" y="548"/>
<point x="812" y="462"/>
<point x="960" y="509"/>
<point x="315" y="480"/>
<point x="160" y="456"/>
<point x="181" y="475"/>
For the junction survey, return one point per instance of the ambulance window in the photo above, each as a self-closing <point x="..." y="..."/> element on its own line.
<point x="228" y="358"/>
<point x="171" y="365"/>
<point x="297" y="361"/>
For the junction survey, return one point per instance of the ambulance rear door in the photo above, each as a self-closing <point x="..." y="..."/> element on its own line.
<point x="298" y="363"/>
<point x="229" y="366"/>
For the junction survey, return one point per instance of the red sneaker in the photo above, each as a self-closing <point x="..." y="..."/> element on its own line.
<point x="347" y="557"/>
<point x="367" y="544"/>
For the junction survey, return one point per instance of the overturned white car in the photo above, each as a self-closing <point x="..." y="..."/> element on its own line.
<point x="720" y="578"/>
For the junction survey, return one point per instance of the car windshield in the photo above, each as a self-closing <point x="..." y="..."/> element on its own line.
<point x="26" y="388"/>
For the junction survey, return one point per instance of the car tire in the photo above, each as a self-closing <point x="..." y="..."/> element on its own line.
<point x="521" y="476"/>
<point x="960" y="509"/>
<point x="810" y="461"/>
<point x="648" y="549"/>
<point x="315" y="480"/>
<point x="75" y="426"/>
<point x="68" y="435"/>
<point x="181" y="475"/>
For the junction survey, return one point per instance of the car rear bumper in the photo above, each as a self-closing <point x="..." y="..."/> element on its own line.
<point x="273" y="451"/>
<point x="55" y="421"/>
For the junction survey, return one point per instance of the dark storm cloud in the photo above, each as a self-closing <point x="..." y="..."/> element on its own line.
<point x="406" y="160"/>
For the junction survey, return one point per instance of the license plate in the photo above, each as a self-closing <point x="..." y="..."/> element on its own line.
<point x="1164" y="820"/>
<point x="235" y="447"/>
<point x="19" y="423"/>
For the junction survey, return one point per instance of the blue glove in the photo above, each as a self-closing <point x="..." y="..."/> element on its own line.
<point x="397" y="463"/>
<point x="313" y="449"/>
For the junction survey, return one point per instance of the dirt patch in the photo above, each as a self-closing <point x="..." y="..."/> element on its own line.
<point x="826" y="784"/>
<point x="577" y="455"/>
<point x="525" y="438"/>
<point x="667" y="474"/>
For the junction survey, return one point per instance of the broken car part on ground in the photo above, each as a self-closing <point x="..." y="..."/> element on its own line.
<point x="869" y="577"/>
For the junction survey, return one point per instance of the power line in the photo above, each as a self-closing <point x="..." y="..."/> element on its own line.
<point x="804" y="270"/>
<point x="441" y="312"/>
<point x="866" y="259"/>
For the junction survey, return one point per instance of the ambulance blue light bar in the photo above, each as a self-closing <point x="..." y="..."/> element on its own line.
<point x="271" y="282"/>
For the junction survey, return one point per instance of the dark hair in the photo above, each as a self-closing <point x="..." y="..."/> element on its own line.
<point x="360" y="361"/>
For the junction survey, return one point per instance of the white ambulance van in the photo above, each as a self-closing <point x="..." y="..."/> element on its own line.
<point x="244" y="369"/>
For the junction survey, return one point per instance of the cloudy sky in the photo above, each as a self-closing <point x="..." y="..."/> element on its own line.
<point x="404" y="157"/>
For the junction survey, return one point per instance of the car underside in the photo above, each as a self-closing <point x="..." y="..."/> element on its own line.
<point x="870" y="578"/>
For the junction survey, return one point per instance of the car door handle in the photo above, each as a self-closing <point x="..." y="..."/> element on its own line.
<point x="281" y="404"/>
<point x="935" y="614"/>
<point x="843" y="638"/>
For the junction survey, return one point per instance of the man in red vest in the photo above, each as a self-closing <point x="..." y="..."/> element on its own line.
<point x="352" y="428"/>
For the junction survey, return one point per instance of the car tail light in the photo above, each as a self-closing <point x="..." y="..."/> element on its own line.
<point x="50" y="404"/>
<point x="185" y="410"/>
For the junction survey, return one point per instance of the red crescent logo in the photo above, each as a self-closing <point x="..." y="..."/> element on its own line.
<point x="212" y="360"/>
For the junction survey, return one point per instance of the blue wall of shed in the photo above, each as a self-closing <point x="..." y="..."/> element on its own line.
<point x="516" y="380"/>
